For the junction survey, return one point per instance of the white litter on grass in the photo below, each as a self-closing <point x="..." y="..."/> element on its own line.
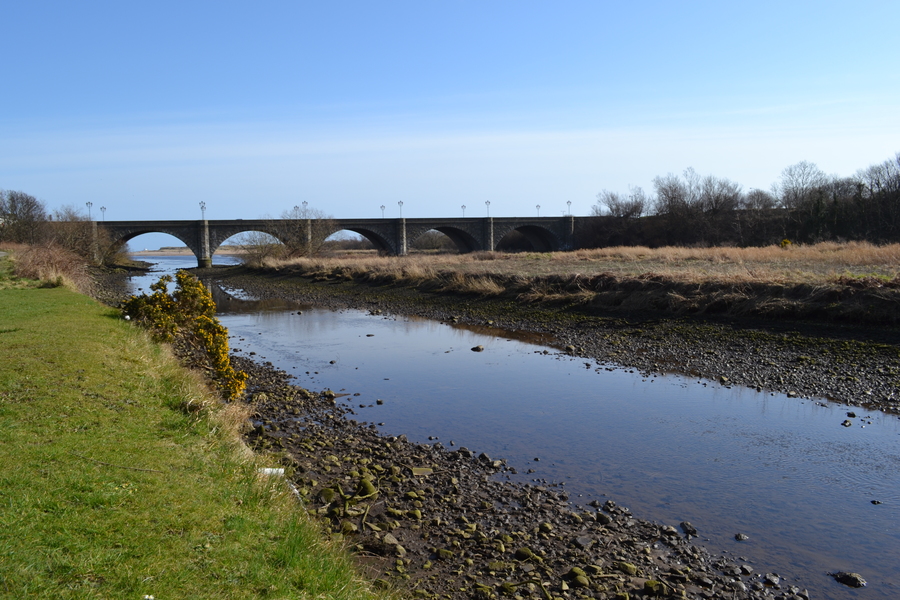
<point x="269" y="472"/>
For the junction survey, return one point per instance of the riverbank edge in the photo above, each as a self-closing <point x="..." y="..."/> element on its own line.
<point x="852" y="364"/>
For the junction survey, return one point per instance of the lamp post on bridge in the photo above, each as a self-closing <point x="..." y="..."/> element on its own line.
<point x="382" y="211"/>
<point x="487" y="203"/>
<point x="103" y="210"/>
<point x="538" y="207"/>
<point x="89" y="205"/>
<point x="305" y="204"/>
<point x="202" y="210"/>
<point x="464" y="211"/>
<point x="569" y="204"/>
<point x="400" y="204"/>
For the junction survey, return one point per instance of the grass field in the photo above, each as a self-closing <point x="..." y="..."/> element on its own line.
<point x="121" y="476"/>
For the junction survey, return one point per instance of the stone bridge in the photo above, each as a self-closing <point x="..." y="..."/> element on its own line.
<point x="391" y="236"/>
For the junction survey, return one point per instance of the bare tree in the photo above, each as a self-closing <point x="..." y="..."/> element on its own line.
<point x="257" y="247"/>
<point x="72" y="230"/>
<point x="678" y="196"/>
<point x="757" y="199"/>
<point x="631" y="206"/>
<point x="719" y="195"/>
<point x="23" y="216"/>
<point x="883" y="178"/>
<point x="306" y="232"/>
<point x="798" y="182"/>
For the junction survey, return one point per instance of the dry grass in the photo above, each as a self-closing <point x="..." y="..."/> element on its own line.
<point x="853" y="282"/>
<point x="814" y="264"/>
<point x="52" y="265"/>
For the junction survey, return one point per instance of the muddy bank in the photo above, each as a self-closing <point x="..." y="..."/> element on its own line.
<point x="445" y="523"/>
<point x="856" y="365"/>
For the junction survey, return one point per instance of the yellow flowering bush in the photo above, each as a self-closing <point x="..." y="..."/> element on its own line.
<point x="188" y="312"/>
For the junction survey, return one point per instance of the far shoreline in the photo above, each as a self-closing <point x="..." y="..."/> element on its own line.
<point x="184" y="251"/>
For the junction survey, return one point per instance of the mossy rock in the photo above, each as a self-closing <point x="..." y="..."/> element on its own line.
<point x="366" y="488"/>
<point x="525" y="553"/>
<point x="656" y="588"/>
<point x="507" y="588"/>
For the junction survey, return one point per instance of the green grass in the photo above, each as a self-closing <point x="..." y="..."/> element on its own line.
<point x="108" y="489"/>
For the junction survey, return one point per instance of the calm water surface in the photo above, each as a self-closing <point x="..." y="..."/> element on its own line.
<point x="781" y="470"/>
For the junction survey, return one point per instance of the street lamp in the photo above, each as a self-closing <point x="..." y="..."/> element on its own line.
<point x="538" y="207"/>
<point x="488" y="204"/>
<point x="103" y="210"/>
<point x="400" y="204"/>
<point x="464" y="211"/>
<point x="569" y="203"/>
<point x="305" y="204"/>
<point x="89" y="205"/>
<point x="382" y="211"/>
<point x="203" y="210"/>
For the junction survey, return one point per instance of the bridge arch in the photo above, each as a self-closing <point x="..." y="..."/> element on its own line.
<point x="541" y="238"/>
<point x="464" y="241"/>
<point x="119" y="235"/>
<point x="378" y="240"/>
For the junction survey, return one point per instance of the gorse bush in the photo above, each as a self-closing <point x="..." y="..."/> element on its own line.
<point x="189" y="314"/>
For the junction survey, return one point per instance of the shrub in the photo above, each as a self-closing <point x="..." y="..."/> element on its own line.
<point x="189" y="314"/>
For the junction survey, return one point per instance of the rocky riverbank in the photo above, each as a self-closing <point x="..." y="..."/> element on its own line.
<point x="442" y="522"/>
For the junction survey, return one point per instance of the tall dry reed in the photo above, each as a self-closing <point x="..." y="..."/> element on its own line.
<point x="811" y="264"/>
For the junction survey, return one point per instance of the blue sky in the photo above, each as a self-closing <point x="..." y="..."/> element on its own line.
<point x="149" y="108"/>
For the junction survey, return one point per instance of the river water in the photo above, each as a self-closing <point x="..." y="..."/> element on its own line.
<point x="812" y="495"/>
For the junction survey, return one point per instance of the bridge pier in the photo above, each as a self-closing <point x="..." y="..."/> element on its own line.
<point x="204" y="259"/>
<point x="400" y="238"/>
<point x="487" y="235"/>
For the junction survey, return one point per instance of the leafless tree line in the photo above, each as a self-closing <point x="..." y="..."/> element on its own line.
<point x="25" y="220"/>
<point x="805" y="204"/>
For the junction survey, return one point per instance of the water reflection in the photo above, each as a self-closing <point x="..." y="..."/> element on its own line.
<point x="782" y="471"/>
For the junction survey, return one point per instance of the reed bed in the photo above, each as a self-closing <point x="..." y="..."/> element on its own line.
<point x="818" y="264"/>
<point x="851" y="282"/>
